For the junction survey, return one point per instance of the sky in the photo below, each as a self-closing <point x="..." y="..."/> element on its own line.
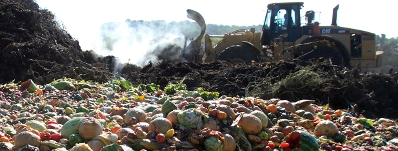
<point x="83" y="18"/>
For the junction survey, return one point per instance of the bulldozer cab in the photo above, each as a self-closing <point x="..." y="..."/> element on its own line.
<point x="282" y="23"/>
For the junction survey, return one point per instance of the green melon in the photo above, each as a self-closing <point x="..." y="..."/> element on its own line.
<point x="150" y="108"/>
<point x="167" y="107"/>
<point x="70" y="127"/>
<point x="339" y="137"/>
<point x="261" y="115"/>
<point x="308" y="115"/>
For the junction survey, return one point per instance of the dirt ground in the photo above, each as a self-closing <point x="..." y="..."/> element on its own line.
<point x="34" y="46"/>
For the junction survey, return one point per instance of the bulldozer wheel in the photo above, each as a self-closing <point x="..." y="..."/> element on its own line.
<point x="240" y="54"/>
<point x="324" y="51"/>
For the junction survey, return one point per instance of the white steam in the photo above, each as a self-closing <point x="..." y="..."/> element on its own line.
<point x="137" y="42"/>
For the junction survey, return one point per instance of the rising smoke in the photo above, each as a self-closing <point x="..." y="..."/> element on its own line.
<point x="139" y="42"/>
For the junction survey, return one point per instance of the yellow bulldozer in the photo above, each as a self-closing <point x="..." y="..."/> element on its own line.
<point x="284" y="36"/>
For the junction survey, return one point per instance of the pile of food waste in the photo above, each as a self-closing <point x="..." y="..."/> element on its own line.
<point x="69" y="114"/>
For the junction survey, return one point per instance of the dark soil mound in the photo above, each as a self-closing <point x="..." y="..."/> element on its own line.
<point x="372" y="95"/>
<point x="34" y="46"/>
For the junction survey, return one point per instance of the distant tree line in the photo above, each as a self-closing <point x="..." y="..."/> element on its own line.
<point x="389" y="43"/>
<point x="189" y="29"/>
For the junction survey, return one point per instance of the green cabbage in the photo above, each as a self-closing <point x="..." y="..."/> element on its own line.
<point x="213" y="144"/>
<point x="191" y="118"/>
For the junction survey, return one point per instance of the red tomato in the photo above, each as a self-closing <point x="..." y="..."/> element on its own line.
<point x="271" y="144"/>
<point x="284" y="145"/>
<point x="328" y="117"/>
<point x="45" y="136"/>
<point x="56" y="136"/>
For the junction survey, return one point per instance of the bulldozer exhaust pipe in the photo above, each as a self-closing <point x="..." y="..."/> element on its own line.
<point x="334" y="19"/>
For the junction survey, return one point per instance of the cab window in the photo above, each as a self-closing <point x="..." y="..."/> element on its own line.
<point x="293" y="16"/>
<point x="267" y="22"/>
<point x="281" y="19"/>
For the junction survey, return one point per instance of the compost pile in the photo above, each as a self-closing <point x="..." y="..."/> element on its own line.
<point x="65" y="98"/>
<point x="34" y="46"/>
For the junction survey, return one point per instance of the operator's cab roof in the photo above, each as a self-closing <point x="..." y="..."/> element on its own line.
<point x="287" y="3"/>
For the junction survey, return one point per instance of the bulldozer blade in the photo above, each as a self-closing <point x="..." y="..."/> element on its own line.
<point x="193" y="48"/>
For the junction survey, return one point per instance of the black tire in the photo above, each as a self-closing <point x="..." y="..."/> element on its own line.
<point x="240" y="53"/>
<point x="338" y="57"/>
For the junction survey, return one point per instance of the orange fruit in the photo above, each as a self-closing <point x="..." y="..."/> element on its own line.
<point x="272" y="108"/>
<point x="4" y="139"/>
<point x="39" y="92"/>
<point x="338" y="112"/>
<point x="115" y="128"/>
<point x="221" y="115"/>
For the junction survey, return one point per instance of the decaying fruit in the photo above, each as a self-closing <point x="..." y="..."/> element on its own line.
<point x="89" y="127"/>
<point x="250" y="124"/>
<point x="118" y="111"/>
<point x="303" y="103"/>
<point x="261" y="115"/>
<point x="160" y="125"/>
<point x="137" y="113"/>
<point x="287" y="105"/>
<point x="25" y="138"/>
<point x="229" y="143"/>
<point x="325" y="127"/>
<point x="230" y="112"/>
<point x="37" y="125"/>
<point x="212" y="124"/>
<point x="81" y="147"/>
<point x="96" y="145"/>
<point x="172" y="117"/>
<point x="123" y="132"/>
